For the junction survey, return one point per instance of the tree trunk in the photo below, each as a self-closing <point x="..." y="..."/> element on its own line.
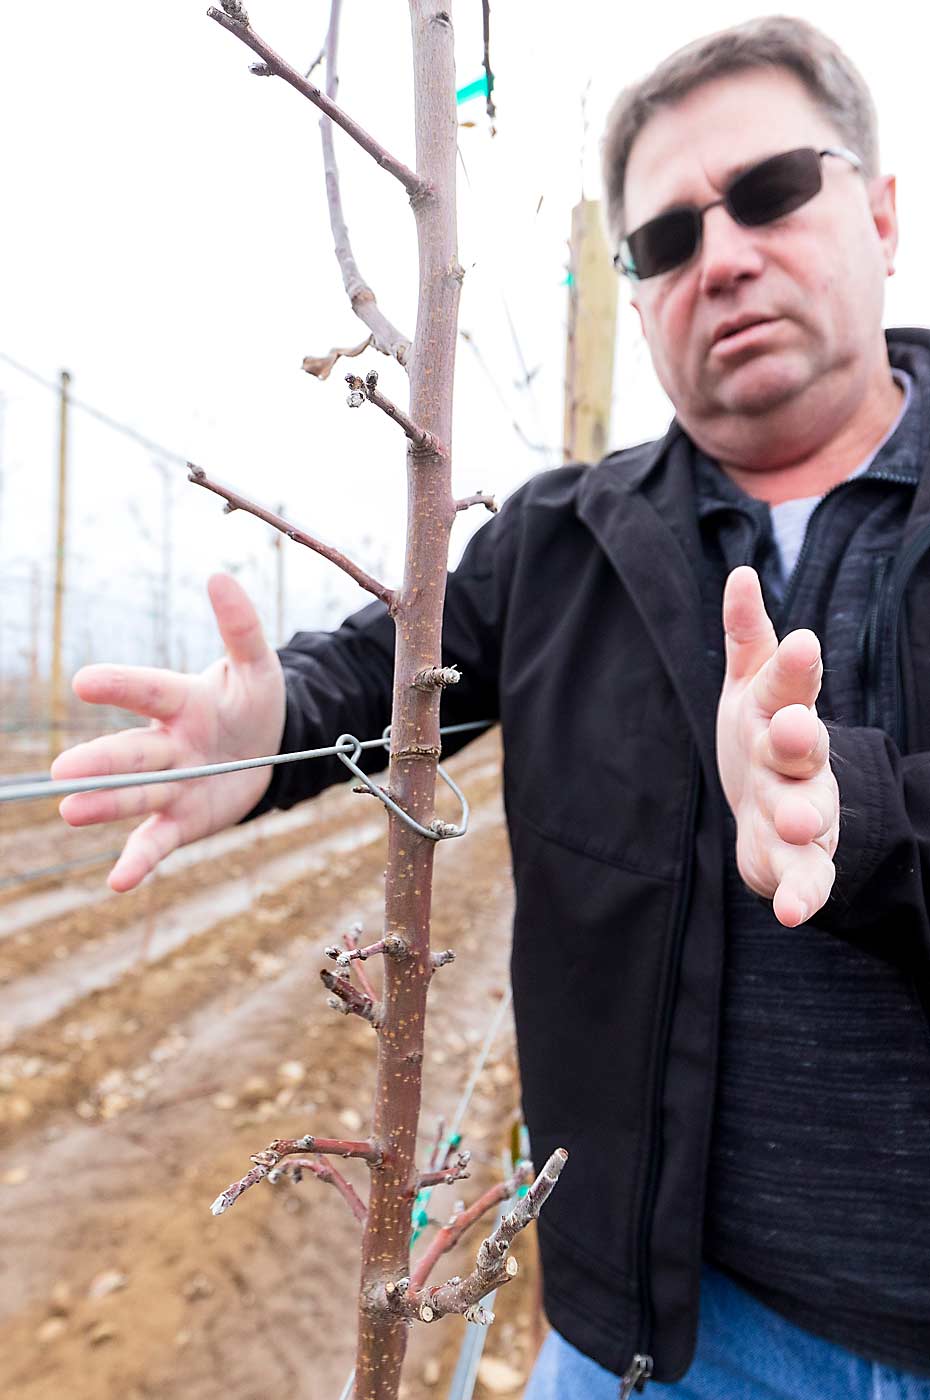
<point x="415" y="718"/>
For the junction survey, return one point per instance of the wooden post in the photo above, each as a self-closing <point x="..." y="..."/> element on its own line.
<point x="592" y="322"/>
<point x="56" y="696"/>
<point x="35" y="616"/>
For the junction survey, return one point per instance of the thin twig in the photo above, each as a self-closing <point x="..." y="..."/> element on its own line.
<point x="478" y="499"/>
<point x="387" y="338"/>
<point x="415" y="187"/>
<point x="393" y="946"/>
<point x="444" y="1176"/>
<point x="348" y="999"/>
<point x="325" y="1171"/>
<point x="351" y="939"/>
<point x="316" y="63"/>
<point x="236" y="502"/>
<point x="494" y="1265"/>
<point x="486" y="14"/>
<point x="267" y="1160"/>
<point x="366" y="388"/>
<point x="450" y="1234"/>
<point x="434" y="1157"/>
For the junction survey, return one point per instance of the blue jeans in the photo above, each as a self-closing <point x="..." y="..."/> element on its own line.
<point x="744" y="1352"/>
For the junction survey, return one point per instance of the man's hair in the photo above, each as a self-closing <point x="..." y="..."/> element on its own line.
<point x="776" y="41"/>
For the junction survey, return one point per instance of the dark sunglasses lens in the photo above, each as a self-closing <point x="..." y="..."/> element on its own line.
<point x="664" y="242"/>
<point x="775" y="187"/>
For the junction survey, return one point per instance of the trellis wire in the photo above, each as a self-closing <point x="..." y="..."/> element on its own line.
<point x="26" y="792"/>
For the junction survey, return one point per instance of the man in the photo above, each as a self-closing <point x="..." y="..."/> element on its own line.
<point x="733" y="1047"/>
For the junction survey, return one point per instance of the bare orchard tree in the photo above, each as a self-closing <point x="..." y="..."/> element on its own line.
<point x="395" y="1292"/>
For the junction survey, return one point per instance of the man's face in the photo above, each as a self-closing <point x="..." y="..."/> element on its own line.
<point x="815" y="277"/>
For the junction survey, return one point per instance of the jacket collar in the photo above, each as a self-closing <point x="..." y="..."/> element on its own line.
<point x="640" y="507"/>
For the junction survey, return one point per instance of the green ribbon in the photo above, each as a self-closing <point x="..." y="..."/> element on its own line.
<point x="479" y="88"/>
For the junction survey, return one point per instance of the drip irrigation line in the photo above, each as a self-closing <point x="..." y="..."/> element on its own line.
<point x="30" y="877"/>
<point x="484" y="1052"/>
<point x="26" y="792"/>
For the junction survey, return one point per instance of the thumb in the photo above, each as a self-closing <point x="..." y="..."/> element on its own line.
<point x="239" y="624"/>
<point x="750" y="636"/>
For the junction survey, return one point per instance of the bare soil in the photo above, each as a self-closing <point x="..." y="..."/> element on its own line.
<point x="150" y="1042"/>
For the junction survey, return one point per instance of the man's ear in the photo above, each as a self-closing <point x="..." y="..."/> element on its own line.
<point x="882" y="202"/>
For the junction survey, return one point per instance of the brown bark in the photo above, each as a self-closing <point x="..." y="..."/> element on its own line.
<point x="387" y="1303"/>
<point x="415" y="740"/>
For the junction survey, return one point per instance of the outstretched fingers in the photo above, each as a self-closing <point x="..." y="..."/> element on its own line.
<point x="145" y="690"/>
<point x="805" y="881"/>
<point x="131" y="751"/>
<point x="116" y="804"/>
<point x="239" y="624"/>
<point x="792" y="676"/>
<point x="750" y="636"/>
<point x="795" y="743"/>
<point x="146" y="846"/>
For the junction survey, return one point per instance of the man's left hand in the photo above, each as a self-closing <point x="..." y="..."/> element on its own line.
<point x="774" y="757"/>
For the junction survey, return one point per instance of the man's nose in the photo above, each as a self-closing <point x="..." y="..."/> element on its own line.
<point x="729" y="252"/>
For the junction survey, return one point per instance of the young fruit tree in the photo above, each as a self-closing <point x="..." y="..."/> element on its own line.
<point x="396" y="1291"/>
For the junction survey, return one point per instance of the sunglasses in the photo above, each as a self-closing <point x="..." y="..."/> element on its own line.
<point x="761" y="194"/>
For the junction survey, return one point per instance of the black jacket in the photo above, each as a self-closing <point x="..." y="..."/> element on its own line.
<point x="575" y="617"/>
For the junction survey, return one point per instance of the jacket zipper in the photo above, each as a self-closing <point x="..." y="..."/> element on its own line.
<point x="869" y="640"/>
<point x="641" y="1367"/>
<point x="806" y="546"/>
<point x="892" y="620"/>
<point x="636" y="1376"/>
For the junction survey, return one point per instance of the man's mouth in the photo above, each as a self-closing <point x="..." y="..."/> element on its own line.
<point x="734" y="335"/>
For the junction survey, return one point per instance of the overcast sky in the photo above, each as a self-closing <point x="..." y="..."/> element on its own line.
<point x="165" y="238"/>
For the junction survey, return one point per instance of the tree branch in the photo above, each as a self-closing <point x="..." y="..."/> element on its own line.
<point x="387" y="338"/>
<point x="269" y="1159"/>
<point x="494" y="1265"/>
<point x="434" y="1156"/>
<point x="486" y="14"/>
<point x="444" y="1176"/>
<point x="448" y="1237"/>
<point x="325" y="1171"/>
<point x="412" y="183"/>
<point x="393" y="946"/>
<point x="479" y="499"/>
<point x="236" y="502"/>
<point x="348" y="999"/>
<point x="351" y="939"/>
<point x="362" y="389"/>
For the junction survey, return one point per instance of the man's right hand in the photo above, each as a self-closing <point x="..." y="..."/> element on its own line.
<point x="233" y="709"/>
